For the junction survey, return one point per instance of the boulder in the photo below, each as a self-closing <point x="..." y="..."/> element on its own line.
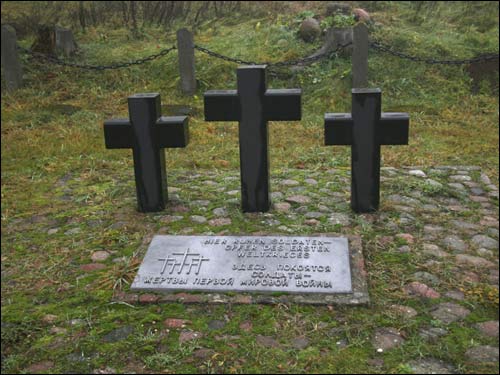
<point x="361" y="15"/>
<point x="309" y="29"/>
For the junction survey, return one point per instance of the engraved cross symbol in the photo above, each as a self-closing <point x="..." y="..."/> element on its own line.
<point x="188" y="260"/>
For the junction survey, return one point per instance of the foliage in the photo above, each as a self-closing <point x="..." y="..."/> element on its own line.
<point x="338" y="20"/>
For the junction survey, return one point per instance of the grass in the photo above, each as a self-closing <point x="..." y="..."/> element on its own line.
<point x="56" y="173"/>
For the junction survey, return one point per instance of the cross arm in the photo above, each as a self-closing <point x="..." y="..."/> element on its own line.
<point x="394" y="128"/>
<point x="222" y="105"/>
<point x="338" y="129"/>
<point x="283" y="104"/>
<point x="172" y="132"/>
<point x="118" y="133"/>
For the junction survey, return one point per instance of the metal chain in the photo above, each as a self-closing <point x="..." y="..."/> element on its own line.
<point x="385" y="48"/>
<point x="57" y="61"/>
<point x="304" y="60"/>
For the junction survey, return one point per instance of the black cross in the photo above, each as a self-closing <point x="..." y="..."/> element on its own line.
<point x="253" y="106"/>
<point x="365" y="131"/>
<point x="148" y="133"/>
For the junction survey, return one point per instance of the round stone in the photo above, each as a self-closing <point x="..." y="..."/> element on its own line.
<point x="198" y="219"/>
<point x="455" y="243"/>
<point x="417" y="172"/>
<point x="309" y="29"/>
<point x="448" y="312"/>
<point x="100" y="256"/>
<point x="486" y="242"/>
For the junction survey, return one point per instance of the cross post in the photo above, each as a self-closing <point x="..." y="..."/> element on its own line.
<point x="253" y="105"/>
<point x="365" y="131"/>
<point x="148" y="133"/>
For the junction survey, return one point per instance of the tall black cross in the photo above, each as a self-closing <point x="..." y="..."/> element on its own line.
<point x="253" y="105"/>
<point x="148" y="133"/>
<point x="365" y="131"/>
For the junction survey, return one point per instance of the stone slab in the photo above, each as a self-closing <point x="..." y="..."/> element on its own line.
<point x="345" y="283"/>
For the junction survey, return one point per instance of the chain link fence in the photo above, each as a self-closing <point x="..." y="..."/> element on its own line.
<point x="378" y="46"/>
<point x="280" y="64"/>
<point x="58" y="61"/>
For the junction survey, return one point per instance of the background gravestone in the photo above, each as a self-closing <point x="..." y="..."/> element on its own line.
<point x="11" y="66"/>
<point x="65" y="42"/>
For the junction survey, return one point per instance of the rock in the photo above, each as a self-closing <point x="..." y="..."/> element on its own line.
<point x="300" y="343"/>
<point x="485" y="242"/>
<point x="339" y="219"/>
<point x="175" y="323"/>
<point x="386" y="339"/>
<point x="417" y="172"/>
<point x="49" y="318"/>
<point x="309" y="29"/>
<point x="198" y="219"/>
<point x="282" y="207"/>
<point x="408" y="238"/>
<point x="489" y="329"/>
<point x="312" y="222"/>
<point x="473" y="261"/>
<point x="482" y="354"/>
<point x="431" y="366"/>
<point x="314" y="215"/>
<point x="186" y="336"/>
<point x="432" y="333"/>
<point x="118" y="334"/>
<point x="203" y="353"/>
<point x="426" y="277"/>
<point x="92" y="267"/>
<point x="219" y="222"/>
<point x="276" y="195"/>
<point x="73" y="231"/>
<point x="170" y="219"/>
<point x="311" y="181"/>
<point x="216" y="324"/>
<point x="299" y="199"/>
<point x="455" y="294"/>
<point x="405" y="311"/>
<point x="267" y="341"/>
<point x="456" y="186"/>
<point x="455" y="244"/>
<point x="433" y="183"/>
<point x="434" y="251"/>
<point x="220" y="211"/>
<point x="100" y="256"/>
<point x="39" y="367"/>
<point x="148" y="298"/>
<point x="448" y="312"/>
<point x="422" y="290"/>
<point x="246" y="326"/>
<point x="290" y="183"/>
<point x="460" y="178"/>
<point x="52" y="231"/>
<point x="361" y="15"/>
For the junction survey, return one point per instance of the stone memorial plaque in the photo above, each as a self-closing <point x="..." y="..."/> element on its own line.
<point x="246" y="264"/>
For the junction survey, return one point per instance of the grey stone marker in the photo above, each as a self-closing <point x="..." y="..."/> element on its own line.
<point x="65" y="42"/>
<point x="360" y="56"/>
<point x="10" y="59"/>
<point x="185" y="49"/>
<point x="246" y="264"/>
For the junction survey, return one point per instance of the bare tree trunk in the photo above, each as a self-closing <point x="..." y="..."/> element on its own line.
<point x="81" y="15"/>
<point x="133" y="16"/>
<point x="125" y="13"/>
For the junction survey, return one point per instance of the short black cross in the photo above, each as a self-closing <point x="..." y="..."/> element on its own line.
<point x="253" y="105"/>
<point x="365" y="131"/>
<point x="148" y="133"/>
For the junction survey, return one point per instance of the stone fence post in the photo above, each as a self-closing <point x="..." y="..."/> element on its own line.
<point x="185" y="49"/>
<point x="11" y="64"/>
<point x="360" y="56"/>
